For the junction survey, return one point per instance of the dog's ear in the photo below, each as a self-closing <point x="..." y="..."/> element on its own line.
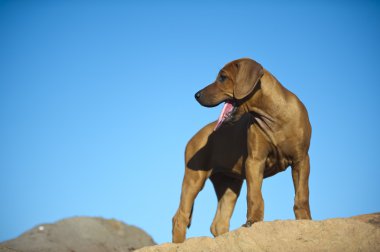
<point x="248" y="75"/>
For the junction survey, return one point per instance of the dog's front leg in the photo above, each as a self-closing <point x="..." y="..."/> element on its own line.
<point x="257" y="147"/>
<point x="255" y="203"/>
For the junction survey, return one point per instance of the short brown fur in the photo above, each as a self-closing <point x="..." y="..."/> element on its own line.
<point x="269" y="132"/>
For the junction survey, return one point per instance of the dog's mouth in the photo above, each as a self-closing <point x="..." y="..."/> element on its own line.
<point x="227" y="114"/>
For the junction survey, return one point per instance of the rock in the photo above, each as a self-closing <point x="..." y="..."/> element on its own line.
<point x="360" y="233"/>
<point x="80" y="234"/>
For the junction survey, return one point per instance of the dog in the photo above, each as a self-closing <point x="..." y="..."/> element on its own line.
<point x="263" y="129"/>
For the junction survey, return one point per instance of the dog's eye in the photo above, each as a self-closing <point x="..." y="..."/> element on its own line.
<point x="222" y="78"/>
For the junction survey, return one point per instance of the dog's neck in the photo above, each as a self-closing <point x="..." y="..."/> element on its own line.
<point x="268" y="100"/>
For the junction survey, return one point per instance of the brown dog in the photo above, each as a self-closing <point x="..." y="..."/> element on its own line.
<point x="262" y="130"/>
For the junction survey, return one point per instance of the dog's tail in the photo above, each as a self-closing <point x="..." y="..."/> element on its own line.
<point x="191" y="215"/>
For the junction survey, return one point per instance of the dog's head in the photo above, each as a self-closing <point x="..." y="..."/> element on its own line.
<point x="234" y="83"/>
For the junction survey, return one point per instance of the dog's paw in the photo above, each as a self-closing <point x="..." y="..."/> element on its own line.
<point x="248" y="223"/>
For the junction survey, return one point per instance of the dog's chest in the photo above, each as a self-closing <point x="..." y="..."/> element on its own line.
<point x="229" y="151"/>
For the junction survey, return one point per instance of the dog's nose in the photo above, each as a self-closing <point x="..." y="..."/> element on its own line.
<point x="198" y="95"/>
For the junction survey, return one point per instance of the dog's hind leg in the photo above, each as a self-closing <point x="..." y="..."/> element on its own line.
<point x="192" y="184"/>
<point x="227" y="190"/>
<point x="300" y="174"/>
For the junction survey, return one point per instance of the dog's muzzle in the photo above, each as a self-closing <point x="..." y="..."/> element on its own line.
<point x="198" y="95"/>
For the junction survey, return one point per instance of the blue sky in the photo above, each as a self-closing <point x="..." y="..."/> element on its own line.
<point x="97" y="105"/>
